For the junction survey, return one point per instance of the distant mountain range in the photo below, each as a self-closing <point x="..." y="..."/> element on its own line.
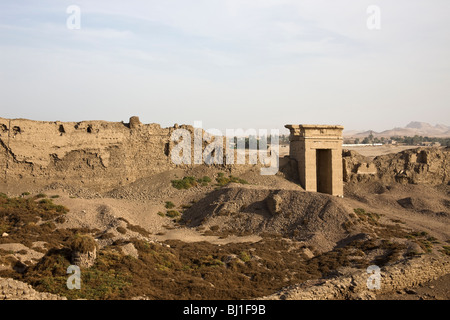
<point x="413" y="128"/>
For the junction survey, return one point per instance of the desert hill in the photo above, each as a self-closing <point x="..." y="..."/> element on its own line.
<point x="413" y="128"/>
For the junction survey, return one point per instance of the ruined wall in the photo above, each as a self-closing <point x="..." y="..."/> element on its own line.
<point x="94" y="154"/>
<point x="417" y="166"/>
<point x="404" y="274"/>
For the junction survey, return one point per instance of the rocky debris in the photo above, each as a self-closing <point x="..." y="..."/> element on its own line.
<point x="308" y="253"/>
<point x="413" y="248"/>
<point x="405" y="274"/>
<point x="406" y="203"/>
<point x="274" y="202"/>
<point x="11" y="289"/>
<point x="130" y="250"/>
<point x="84" y="259"/>
<point x="21" y="253"/>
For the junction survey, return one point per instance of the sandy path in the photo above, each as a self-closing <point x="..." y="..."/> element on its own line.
<point x="103" y="214"/>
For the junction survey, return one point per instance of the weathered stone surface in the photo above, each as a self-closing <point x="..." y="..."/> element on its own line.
<point x="308" y="253"/>
<point x="404" y="275"/>
<point x="84" y="259"/>
<point x="134" y="122"/>
<point x="416" y="166"/>
<point x="274" y="202"/>
<point x="11" y="289"/>
<point x="130" y="250"/>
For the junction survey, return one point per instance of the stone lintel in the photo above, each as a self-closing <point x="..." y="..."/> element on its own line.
<point x="315" y="131"/>
<point x="313" y="126"/>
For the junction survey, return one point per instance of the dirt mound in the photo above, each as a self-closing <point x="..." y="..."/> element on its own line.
<point x="314" y="217"/>
<point x="160" y="187"/>
<point x="425" y="206"/>
<point x="429" y="200"/>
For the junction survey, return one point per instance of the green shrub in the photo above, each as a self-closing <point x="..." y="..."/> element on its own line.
<point x="160" y="214"/>
<point x="41" y="195"/>
<point x="48" y="205"/>
<point x="169" y="205"/>
<point x="204" y="181"/>
<point x="172" y="213"/>
<point x="244" y="256"/>
<point x="446" y="250"/>
<point x="189" y="182"/>
<point x="25" y="193"/>
<point x="370" y="217"/>
<point x="185" y="183"/>
<point x="82" y="243"/>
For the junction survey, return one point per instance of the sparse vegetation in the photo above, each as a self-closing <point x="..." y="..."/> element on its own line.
<point x="138" y="229"/>
<point x="185" y="183"/>
<point x="244" y="256"/>
<point x="82" y="243"/>
<point x="172" y="214"/>
<point x="446" y="250"/>
<point x="98" y="282"/>
<point x="204" y="181"/>
<point x="370" y="217"/>
<point x="169" y="205"/>
<point x="189" y="182"/>
<point x="423" y="240"/>
<point x="222" y="180"/>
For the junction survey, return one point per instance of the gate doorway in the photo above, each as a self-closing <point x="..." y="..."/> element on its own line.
<point x="324" y="171"/>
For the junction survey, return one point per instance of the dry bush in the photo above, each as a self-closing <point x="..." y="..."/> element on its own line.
<point x="83" y="243"/>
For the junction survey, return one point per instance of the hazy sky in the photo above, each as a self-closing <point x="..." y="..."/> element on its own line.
<point x="228" y="63"/>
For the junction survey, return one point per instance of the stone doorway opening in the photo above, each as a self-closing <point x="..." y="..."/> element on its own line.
<point x="324" y="171"/>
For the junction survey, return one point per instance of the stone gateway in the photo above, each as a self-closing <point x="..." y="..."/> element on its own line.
<point x="318" y="151"/>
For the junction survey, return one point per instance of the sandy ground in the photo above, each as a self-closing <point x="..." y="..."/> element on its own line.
<point x="105" y="213"/>
<point x="373" y="151"/>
